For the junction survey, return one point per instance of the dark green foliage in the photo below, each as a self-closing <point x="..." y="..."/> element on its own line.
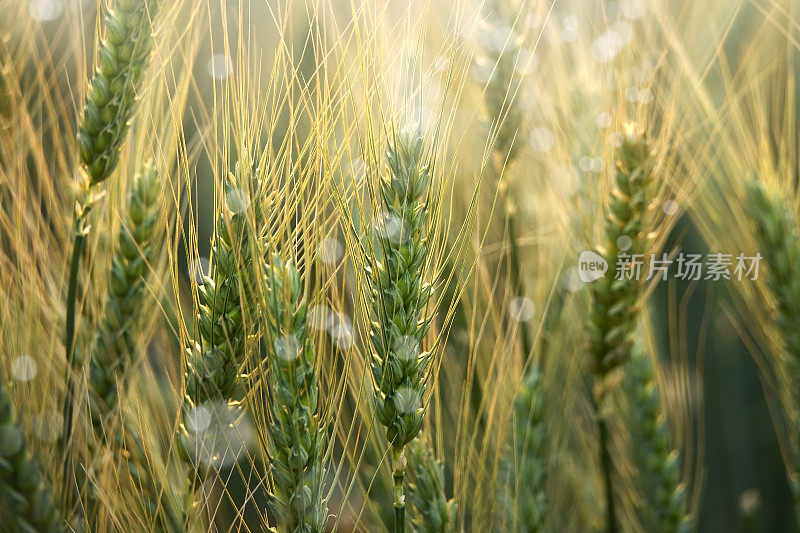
<point x="26" y="503"/>
<point x="434" y="513"/>
<point x="662" y="496"/>
<point x="111" y="99"/>
<point x="297" y="430"/>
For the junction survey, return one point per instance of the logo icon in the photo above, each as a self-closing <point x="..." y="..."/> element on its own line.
<point x="591" y="266"/>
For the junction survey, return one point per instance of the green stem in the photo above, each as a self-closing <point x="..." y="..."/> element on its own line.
<point x="607" y="467"/>
<point x="398" y="473"/>
<point x="516" y="280"/>
<point x="69" y="340"/>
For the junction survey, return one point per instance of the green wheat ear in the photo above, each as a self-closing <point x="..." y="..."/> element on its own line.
<point x="526" y="468"/>
<point x="615" y="306"/>
<point x="297" y="430"/>
<point x="615" y="311"/>
<point x="434" y="513"/>
<point x="658" y="470"/>
<point x="24" y="493"/>
<point x="214" y="361"/>
<point x="137" y="247"/>
<point x="111" y="100"/>
<point x="399" y="299"/>
<point x="776" y="232"/>
<point x="115" y="352"/>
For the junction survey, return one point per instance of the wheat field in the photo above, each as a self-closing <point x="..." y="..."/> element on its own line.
<point x="381" y="265"/>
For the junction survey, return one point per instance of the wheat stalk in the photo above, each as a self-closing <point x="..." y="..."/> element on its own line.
<point x="615" y="301"/>
<point x="400" y="297"/>
<point x="110" y="102"/>
<point x="434" y="513"/>
<point x="23" y="488"/>
<point x="658" y="471"/>
<point x="776" y="233"/>
<point x="297" y="431"/>
<point x="506" y="115"/>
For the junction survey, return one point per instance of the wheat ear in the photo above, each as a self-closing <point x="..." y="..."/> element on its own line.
<point x="297" y="430"/>
<point x="434" y="513"/>
<point x="658" y="471"/>
<point x="526" y="468"/>
<point x="115" y="352"/>
<point x="776" y="233"/>
<point x="615" y="310"/>
<point x="400" y="297"/>
<point x="23" y="489"/>
<point x="215" y="360"/>
<point x="122" y="58"/>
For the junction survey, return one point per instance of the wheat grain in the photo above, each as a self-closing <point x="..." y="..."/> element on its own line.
<point x="615" y="310"/>
<point x="114" y="352"/>
<point x="526" y="467"/>
<point x="616" y="296"/>
<point x="215" y="360"/>
<point x="111" y="99"/>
